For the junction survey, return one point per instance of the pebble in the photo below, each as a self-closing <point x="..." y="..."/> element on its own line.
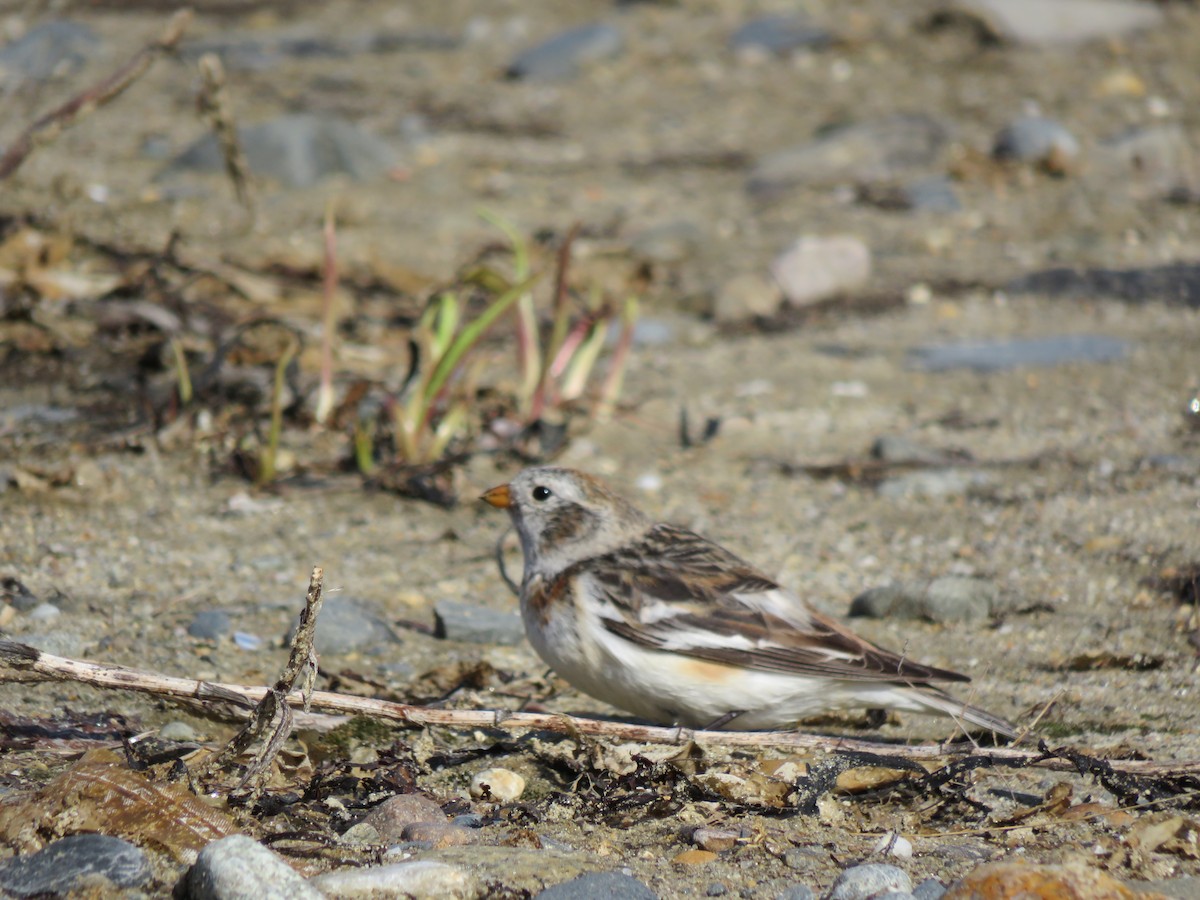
<point x="51" y="49"/>
<point x="419" y="880"/>
<point x="360" y="834"/>
<point x="240" y="868"/>
<point x="298" y="150"/>
<point x="1072" y="22"/>
<point x="177" y="731"/>
<point x="714" y="839"/>
<point x="796" y="892"/>
<point x="1172" y="283"/>
<point x="210" y="625"/>
<point x="934" y="193"/>
<point x="1038" y="141"/>
<point x="81" y="862"/>
<point x="893" y="448"/>
<point x="1159" y="156"/>
<point x="1035" y="882"/>
<point x="346" y="625"/>
<point x="779" y="35"/>
<point x="929" y="889"/>
<point x="44" y="613"/>
<point x="500" y="785"/>
<point x="876" y="150"/>
<point x="455" y="621"/>
<point x="996" y="356"/>
<point x="869" y="881"/>
<point x="950" y="598"/>
<point x="439" y="834"/>
<point x="746" y="296"/>
<point x="563" y="55"/>
<point x="933" y="483"/>
<point x="893" y="844"/>
<point x="393" y="815"/>
<point x="715" y="889"/>
<point x="609" y="885"/>
<point x="817" y="268"/>
<point x="244" y="640"/>
<point x="694" y="857"/>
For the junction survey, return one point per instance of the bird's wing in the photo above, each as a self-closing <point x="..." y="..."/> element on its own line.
<point x="674" y="590"/>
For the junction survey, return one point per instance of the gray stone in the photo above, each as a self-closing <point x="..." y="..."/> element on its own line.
<point x="298" y="150"/>
<point x="346" y="626"/>
<point x="1174" y="283"/>
<point x="240" y="868"/>
<point x="746" y="296"/>
<point x="78" y="862"/>
<point x="609" y="885"/>
<point x="933" y="483"/>
<point x="419" y="880"/>
<point x="454" y="621"/>
<point x="49" y="50"/>
<point x="715" y="889"/>
<point x="779" y="35"/>
<point x="818" y="268"/>
<point x="210" y="624"/>
<point x="1044" y="22"/>
<point x="1039" y="141"/>
<point x="929" y="889"/>
<point x="995" y="356"/>
<point x="563" y="55"/>
<point x="1157" y="160"/>
<point x="869" y="881"/>
<point x="796" y="892"/>
<point x="877" y="150"/>
<point x="934" y="193"/>
<point x="391" y="817"/>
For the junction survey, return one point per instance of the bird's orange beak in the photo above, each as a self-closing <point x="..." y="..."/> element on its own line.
<point x="499" y="496"/>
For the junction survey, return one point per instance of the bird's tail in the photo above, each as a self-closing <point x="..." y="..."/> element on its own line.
<point x="937" y="701"/>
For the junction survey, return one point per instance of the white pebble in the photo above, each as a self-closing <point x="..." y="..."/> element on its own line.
<point x="501" y="785"/>
<point x="893" y="844"/>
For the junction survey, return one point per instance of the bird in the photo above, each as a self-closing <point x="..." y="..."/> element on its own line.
<point x="658" y="621"/>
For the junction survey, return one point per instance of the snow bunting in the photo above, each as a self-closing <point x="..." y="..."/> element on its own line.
<point x="667" y="625"/>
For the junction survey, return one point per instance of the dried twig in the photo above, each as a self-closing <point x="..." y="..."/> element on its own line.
<point x="51" y="125"/>
<point x="19" y="662"/>
<point x="213" y="104"/>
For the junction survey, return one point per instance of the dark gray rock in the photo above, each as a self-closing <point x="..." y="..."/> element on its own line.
<point x="929" y="889"/>
<point x="210" y="625"/>
<point x="51" y="49"/>
<point x="240" y="868"/>
<point x="995" y="356"/>
<point x="779" y="35"/>
<point x="563" y="55"/>
<point x="608" y="885"/>
<point x="456" y="621"/>
<point x="869" y="881"/>
<point x="346" y="626"/>
<point x="298" y="150"/>
<point x="716" y="889"/>
<point x="878" y="150"/>
<point x="1175" y="283"/>
<point x="1038" y="141"/>
<point x="75" y="862"/>
<point x="947" y="599"/>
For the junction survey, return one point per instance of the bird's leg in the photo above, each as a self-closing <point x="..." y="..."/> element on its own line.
<point x="722" y="720"/>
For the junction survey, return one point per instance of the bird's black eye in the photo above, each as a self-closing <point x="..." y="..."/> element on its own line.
<point x="541" y="492"/>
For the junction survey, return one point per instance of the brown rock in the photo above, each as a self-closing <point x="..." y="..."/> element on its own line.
<point x="694" y="858"/>
<point x="439" y="834"/>
<point x="1020" y="881"/>
<point x="391" y="817"/>
<point x="714" y="840"/>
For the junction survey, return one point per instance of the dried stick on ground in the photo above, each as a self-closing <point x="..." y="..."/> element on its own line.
<point x="49" y="126"/>
<point x="19" y="662"/>
<point x="213" y="103"/>
<point x="274" y="713"/>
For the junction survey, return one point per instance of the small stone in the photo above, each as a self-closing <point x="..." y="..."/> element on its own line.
<point x="1034" y="882"/>
<point x="361" y="834"/>
<point x="934" y="193"/>
<point x="454" y="621"/>
<point x="929" y="889"/>
<point x="393" y="815"/>
<point x="1161" y="158"/>
<point x="715" y="889"/>
<point x="868" y="881"/>
<point x="1066" y="22"/>
<point x="609" y="885"/>
<point x="439" y="834"/>
<point x="83" y="862"/>
<point x="210" y="625"/>
<point x="694" y="858"/>
<point x="1038" y="141"/>
<point x="240" y="868"/>
<point x="892" y="844"/>
<point x="950" y="598"/>
<point x="996" y="356"/>
<point x="746" y="296"/>
<point x="714" y="840"/>
<point x="345" y="626"/>
<point x="817" y="268"/>
<point x="802" y="858"/>
<point x="563" y="55"/>
<point x="796" y="892"/>
<point x="779" y="35"/>
<point x="893" y="448"/>
<point x="933" y="483"/>
<point x="44" y="613"/>
<point x="177" y="731"/>
<point x="499" y="785"/>
<point x="1176" y="283"/>
<point x="244" y="640"/>
<point x="418" y="880"/>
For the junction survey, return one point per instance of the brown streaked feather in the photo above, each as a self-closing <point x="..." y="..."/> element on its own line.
<point x="705" y="583"/>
